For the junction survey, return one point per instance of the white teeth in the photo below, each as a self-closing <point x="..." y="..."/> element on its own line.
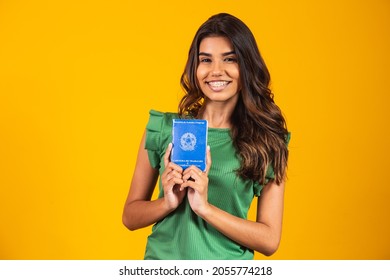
<point x="218" y="84"/>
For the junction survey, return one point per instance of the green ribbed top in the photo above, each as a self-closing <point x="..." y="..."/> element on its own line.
<point x="182" y="234"/>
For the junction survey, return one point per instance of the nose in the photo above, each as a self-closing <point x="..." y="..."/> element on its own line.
<point x="217" y="69"/>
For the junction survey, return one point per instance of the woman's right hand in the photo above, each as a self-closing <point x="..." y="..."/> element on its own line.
<point x="171" y="179"/>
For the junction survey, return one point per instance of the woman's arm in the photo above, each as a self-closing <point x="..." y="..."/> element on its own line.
<point x="262" y="236"/>
<point x="139" y="211"/>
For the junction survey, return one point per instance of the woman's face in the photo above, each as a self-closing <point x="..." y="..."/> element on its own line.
<point x="218" y="74"/>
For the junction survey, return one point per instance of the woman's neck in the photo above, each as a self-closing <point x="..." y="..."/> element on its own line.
<point x="217" y="116"/>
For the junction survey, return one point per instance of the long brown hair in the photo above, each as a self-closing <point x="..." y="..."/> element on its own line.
<point x="259" y="130"/>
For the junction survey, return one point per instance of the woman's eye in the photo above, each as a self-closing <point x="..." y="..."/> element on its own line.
<point x="204" y="60"/>
<point x="231" y="59"/>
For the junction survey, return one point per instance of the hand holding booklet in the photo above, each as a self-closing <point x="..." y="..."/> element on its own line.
<point x="189" y="139"/>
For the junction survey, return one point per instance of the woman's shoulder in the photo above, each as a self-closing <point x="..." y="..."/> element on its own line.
<point x="161" y="119"/>
<point x="159" y="114"/>
<point x="158" y="133"/>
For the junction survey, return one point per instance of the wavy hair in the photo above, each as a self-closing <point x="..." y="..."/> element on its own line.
<point x="259" y="130"/>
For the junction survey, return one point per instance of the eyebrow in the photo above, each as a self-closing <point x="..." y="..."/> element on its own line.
<point x="224" y="54"/>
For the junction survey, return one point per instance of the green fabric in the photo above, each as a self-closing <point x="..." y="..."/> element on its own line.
<point x="182" y="234"/>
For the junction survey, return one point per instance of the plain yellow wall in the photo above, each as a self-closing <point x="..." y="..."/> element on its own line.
<point x="77" y="79"/>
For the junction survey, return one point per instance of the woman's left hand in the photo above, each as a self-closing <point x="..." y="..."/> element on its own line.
<point x="197" y="183"/>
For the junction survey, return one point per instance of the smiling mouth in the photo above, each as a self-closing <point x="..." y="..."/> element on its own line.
<point x="218" y="85"/>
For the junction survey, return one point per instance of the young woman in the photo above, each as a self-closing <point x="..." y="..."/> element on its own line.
<point x="203" y="215"/>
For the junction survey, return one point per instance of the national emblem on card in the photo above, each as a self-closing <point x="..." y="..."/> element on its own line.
<point x="189" y="139"/>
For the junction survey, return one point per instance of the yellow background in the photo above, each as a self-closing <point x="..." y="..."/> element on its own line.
<point x="77" y="79"/>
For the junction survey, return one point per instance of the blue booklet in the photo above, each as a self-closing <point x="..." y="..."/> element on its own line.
<point x="189" y="139"/>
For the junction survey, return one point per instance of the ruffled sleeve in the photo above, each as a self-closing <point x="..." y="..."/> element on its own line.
<point x="153" y="137"/>
<point x="270" y="172"/>
<point x="158" y="136"/>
